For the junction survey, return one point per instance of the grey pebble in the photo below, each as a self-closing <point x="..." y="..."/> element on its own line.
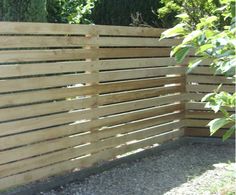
<point x="155" y="175"/>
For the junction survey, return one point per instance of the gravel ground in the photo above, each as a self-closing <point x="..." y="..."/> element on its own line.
<point x="177" y="171"/>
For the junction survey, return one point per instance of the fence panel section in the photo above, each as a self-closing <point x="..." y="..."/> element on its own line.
<point x="72" y="96"/>
<point x="199" y="82"/>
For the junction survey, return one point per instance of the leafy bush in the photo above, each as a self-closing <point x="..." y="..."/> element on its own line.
<point x="195" y="9"/>
<point x="212" y="38"/>
<point x="73" y="11"/>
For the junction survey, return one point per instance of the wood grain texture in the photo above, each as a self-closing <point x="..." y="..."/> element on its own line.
<point x="66" y="166"/>
<point x="73" y="41"/>
<point x="72" y="96"/>
<point x="74" y="29"/>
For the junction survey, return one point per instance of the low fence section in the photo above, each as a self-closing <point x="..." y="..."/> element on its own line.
<point x="72" y="96"/>
<point x="199" y="82"/>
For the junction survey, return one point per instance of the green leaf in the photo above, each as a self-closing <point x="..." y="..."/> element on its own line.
<point x="218" y="88"/>
<point x="181" y="54"/>
<point x="233" y="117"/>
<point x="207" y="96"/>
<point x="232" y="8"/>
<point x="206" y="22"/>
<point x="225" y="113"/>
<point x="193" y="35"/>
<point x="216" y="124"/>
<point x="183" y="16"/>
<point x="211" y="19"/>
<point x="193" y="64"/>
<point x="216" y="108"/>
<point x="175" y="31"/>
<point x="229" y="133"/>
<point x="209" y="33"/>
<point x="204" y="48"/>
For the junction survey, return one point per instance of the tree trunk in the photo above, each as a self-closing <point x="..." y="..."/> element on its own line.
<point x="23" y="10"/>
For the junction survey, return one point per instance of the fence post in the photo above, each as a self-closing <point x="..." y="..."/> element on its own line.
<point x="185" y="95"/>
<point x="94" y="70"/>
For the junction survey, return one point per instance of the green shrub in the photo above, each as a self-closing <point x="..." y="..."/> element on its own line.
<point x="212" y="38"/>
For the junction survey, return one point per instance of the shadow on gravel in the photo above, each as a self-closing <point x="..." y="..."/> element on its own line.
<point x="155" y="174"/>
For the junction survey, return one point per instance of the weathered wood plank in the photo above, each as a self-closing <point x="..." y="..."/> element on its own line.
<point x="65" y="93"/>
<point x="83" y="162"/>
<point x="66" y="142"/>
<point x="66" y="130"/>
<point x="78" y="54"/>
<point x="203" y="132"/>
<point x="63" y="118"/>
<point x="78" y="66"/>
<point x="209" y="88"/>
<point x="74" y="41"/>
<point x="209" y="79"/>
<point x="134" y="74"/>
<point x="45" y="82"/>
<point x="74" y="29"/>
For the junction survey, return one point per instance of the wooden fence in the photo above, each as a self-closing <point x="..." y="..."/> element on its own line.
<point x="198" y="83"/>
<point x="72" y="96"/>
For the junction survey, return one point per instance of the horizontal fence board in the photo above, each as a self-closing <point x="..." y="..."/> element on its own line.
<point x="45" y="95"/>
<point x="136" y="63"/>
<point x="46" y="82"/>
<point x="73" y="29"/>
<point x="203" y="71"/>
<point x="139" y="94"/>
<point x="66" y="105"/>
<point x="66" y="154"/>
<point x="63" y="93"/>
<point x="200" y="106"/>
<point x="137" y="42"/>
<point x="204" y="132"/>
<point x="194" y="96"/>
<point x="209" y="88"/>
<point x="203" y="115"/>
<point x="45" y="41"/>
<point x="72" y="41"/>
<point x="205" y="62"/>
<point x="66" y="130"/>
<point x="19" y="70"/>
<point x="57" y="119"/>
<point x="82" y="163"/>
<point x="200" y="123"/>
<point x="76" y="54"/>
<point x="139" y="84"/>
<point x="45" y="108"/>
<point x="209" y="79"/>
<point x="133" y="74"/>
<point x="66" y="80"/>
<point x="62" y="143"/>
<point x="65" y="67"/>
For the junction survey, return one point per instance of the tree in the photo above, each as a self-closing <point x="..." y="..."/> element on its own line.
<point x="23" y="10"/>
<point x="195" y="9"/>
<point x="55" y="11"/>
<point x="124" y="12"/>
<point x="213" y="38"/>
<point x="72" y="11"/>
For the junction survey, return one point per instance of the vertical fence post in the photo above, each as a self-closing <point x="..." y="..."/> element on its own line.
<point x="184" y="95"/>
<point x="94" y="71"/>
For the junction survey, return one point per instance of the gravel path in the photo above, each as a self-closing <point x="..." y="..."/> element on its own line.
<point x="174" y="171"/>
